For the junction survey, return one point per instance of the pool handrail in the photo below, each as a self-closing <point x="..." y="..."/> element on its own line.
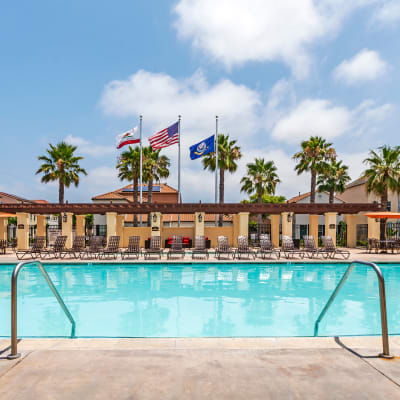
<point x="14" y="279"/>
<point x="382" y="297"/>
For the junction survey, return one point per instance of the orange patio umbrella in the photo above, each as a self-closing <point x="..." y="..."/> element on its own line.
<point x="383" y="215"/>
<point x="6" y="215"/>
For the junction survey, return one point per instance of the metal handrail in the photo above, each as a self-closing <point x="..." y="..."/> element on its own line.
<point x="14" y="278"/>
<point x="382" y="296"/>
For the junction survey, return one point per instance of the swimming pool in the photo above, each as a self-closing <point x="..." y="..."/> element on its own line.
<point x="199" y="300"/>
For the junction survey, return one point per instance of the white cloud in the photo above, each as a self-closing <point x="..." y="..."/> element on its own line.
<point x="235" y="31"/>
<point x="388" y="13"/>
<point x="367" y="65"/>
<point x="89" y="148"/>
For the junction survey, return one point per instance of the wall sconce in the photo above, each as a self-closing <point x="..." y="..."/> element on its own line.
<point x="154" y="218"/>
<point x="289" y="217"/>
<point x="65" y="217"/>
<point x="377" y="219"/>
<point x="200" y="218"/>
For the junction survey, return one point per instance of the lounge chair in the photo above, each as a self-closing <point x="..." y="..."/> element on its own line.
<point x="78" y="245"/>
<point x="310" y="249"/>
<point x="176" y="247"/>
<point x="155" y="248"/>
<point x="95" y="247"/>
<point x="200" y="248"/>
<point x="266" y="248"/>
<point x="112" y="248"/>
<point x="243" y="248"/>
<point x="288" y="248"/>
<point x="56" y="250"/>
<point x="330" y="248"/>
<point x="133" y="248"/>
<point x="34" y="251"/>
<point x="223" y="248"/>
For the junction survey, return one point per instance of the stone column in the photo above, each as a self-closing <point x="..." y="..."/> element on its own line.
<point x="313" y="227"/>
<point x="155" y="223"/>
<point x="111" y="221"/>
<point x="80" y="225"/>
<point x="3" y="228"/>
<point x="242" y="221"/>
<point x="351" y="221"/>
<point x="22" y="231"/>
<point x="41" y="221"/>
<point x="275" y="224"/>
<point x="287" y="224"/>
<point x="66" y="228"/>
<point x="199" y="218"/>
<point x="374" y="228"/>
<point x="330" y="225"/>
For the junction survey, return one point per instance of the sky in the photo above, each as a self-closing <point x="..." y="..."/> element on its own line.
<point x="274" y="72"/>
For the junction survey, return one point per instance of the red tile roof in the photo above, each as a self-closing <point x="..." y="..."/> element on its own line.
<point x="305" y="195"/>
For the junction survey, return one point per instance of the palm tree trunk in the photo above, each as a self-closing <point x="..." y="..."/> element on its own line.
<point x="259" y="216"/>
<point x="331" y="196"/>
<point x="221" y="193"/>
<point x="135" y="200"/>
<point x="384" y="204"/>
<point x="60" y="200"/>
<point x="313" y="185"/>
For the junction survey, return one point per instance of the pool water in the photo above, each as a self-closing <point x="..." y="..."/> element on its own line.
<point x="199" y="300"/>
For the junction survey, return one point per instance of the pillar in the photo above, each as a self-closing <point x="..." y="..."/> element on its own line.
<point x="351" y="222"/>
<point x="275" y="225"/>
<point x="120" y="228"/>
<point x="111" y="221"/>
<point x="66" y="228"/>
<point x="155" y="223"/>
<point x="330" y="225"/>
<point x="313" y="227"/>
<point x="199" y="218"/>
<point x="41" y="221"/>
<point x="22" y="231"/>
<point x="242" y="226"/>
<point x="287" y="224"/>
<point x="374" y="228"/>
<point x="3" y="228"/>
<point x="80" y="225"/>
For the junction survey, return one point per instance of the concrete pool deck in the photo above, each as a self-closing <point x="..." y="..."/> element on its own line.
<point x="203" y="368"/>
<point x="355" y="254"/>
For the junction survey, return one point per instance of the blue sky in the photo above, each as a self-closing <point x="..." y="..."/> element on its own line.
<point x="275" y="73"/>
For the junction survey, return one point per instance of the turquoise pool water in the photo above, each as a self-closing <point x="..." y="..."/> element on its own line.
<point x="198" y="300"/>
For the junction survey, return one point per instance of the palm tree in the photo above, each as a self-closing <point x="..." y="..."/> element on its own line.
<point x="261" y="180"/>
<point x="383" y="174"/>
<point x="315" y="153"/>
<point x="228" y="154"/>
<point x="155" y="167"/>
<point x="60" y="164"/>
<point x="333" y="179"/>
<point x="129" y="169"/>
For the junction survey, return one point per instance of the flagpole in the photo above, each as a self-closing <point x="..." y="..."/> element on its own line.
<point x="216" y="166"/>
<point x="141" y="167"/>
<point x="179" y="167"/>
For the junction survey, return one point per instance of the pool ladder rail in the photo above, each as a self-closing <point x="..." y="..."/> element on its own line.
<point x="14" y="279"/>
<point x="382" y="296"/>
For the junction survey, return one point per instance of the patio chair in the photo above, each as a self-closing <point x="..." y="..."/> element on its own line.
<point x="243" y="248"/>
<point x="112" y="248"/>
<point x="34" y="251"/>
<point x="396" y="245"/>
<point x="266" y="248"/>
<point x="200" y="248"/>
<point x="3" y="246"/>
<point x="95" y="247"/>
<point x="288" y="248"/>
<point x="155" y="248"/>
<point x="372" y="245"/>
<point x="332" y="250"/>
<point x="223" y="248"/>
<point x="78" y="245"/>
<point x="133" y="248"/>
<point x="176" y="247"/>
<point x="56" y="250"/>
<point x="310" y="249"/>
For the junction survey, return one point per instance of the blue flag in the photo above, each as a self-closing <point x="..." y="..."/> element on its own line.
<point x="202" y="148"/>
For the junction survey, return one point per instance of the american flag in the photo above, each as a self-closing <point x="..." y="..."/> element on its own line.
<point x="166" y="137"/>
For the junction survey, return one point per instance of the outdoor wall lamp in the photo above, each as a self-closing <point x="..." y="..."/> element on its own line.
<point x="377" y="219"/>
<point x="289" y="217"/>
<point x="65" y="217"/>
<point x="200" y="218"/>
<point x="154" y="218"/>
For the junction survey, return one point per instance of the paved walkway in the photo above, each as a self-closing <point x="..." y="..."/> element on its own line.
<point x="269" y="368"/>
<point x="355" y="254"/>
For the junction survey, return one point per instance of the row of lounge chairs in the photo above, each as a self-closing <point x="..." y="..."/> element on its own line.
<point x="223" y="250"/>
